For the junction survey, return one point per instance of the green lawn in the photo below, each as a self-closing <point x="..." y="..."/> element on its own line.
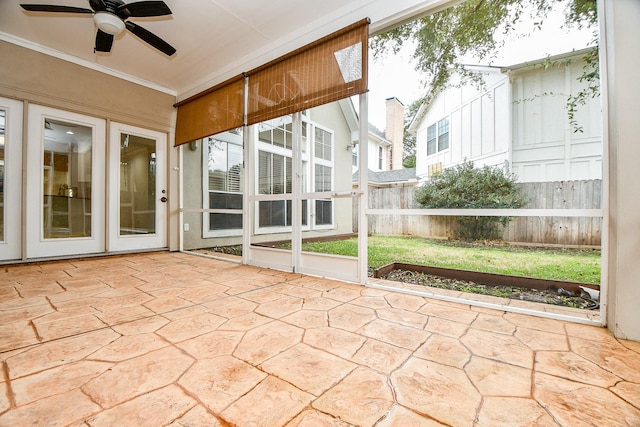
<point x="557" y="264"/>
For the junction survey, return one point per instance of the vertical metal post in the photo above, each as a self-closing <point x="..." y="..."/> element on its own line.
<point x="25" y="177"/>
<point x="605" y="240"/>
<point x="363" y="183"/>
<point x="247" y="178"/>
<point x="296" y="203"/>
<point x="181" y="195"/>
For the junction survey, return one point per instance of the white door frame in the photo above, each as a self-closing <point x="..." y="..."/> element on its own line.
<point x="157" y="240"/>
<point x="36" y="245"/>
<point x="11" y="245"/>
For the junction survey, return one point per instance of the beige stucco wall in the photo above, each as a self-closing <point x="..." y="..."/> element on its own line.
<point x="42" y="79"/>
<point x="331" y="116"/>
<point x="623" y="104"/>
<point x="192" y="199"/>
<point x="36" y="78"/>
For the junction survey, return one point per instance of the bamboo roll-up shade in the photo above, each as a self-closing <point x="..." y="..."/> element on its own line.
<point x="218" y="109"/>
<point x="329" y="69"/>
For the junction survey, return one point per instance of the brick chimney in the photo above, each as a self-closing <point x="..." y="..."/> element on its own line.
<point x="394" y="131"/>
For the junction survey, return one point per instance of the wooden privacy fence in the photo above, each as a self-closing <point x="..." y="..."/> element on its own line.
<point x="565" y="231"/>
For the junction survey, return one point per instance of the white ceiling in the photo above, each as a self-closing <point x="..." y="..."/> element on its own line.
<point x="215" y="39"/>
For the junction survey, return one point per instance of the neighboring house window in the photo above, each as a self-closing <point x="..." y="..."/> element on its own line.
<point x="431" y="140"/>
<point x="380" y="158"/>
<point x="223" y="186"/>
<point x="438" y="137"/>
<point x="434" y="169"/>
<point x="354" y="155"/>
<point x="443" y="134"/>
<point x="323" y="176"/>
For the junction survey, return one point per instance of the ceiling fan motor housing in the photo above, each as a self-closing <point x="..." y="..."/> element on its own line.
<point x="106" y="17"/>
<point x="109" y="23"/>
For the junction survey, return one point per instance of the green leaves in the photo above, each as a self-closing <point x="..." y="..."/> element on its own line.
<point x="467" y="187"/>
<point x="475" y="27"/>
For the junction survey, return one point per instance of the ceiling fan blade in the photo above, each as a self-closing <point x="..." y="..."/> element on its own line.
<point x="143" y="8"/>
<point x="54" y="8"/>
<point x="98" y="5"/>
<point x="150" y="38"/>
<point x="104" y="41"/>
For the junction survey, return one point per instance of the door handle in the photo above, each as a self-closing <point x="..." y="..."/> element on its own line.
<point x="163" y="199"/>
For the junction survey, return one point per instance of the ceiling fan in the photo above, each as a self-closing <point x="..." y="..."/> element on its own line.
<point x="111" y="16"/>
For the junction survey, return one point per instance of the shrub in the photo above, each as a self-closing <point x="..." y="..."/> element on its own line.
<point x="465" y="186"/>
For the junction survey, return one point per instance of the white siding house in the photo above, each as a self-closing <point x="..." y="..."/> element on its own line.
<point x="518" y="119"/>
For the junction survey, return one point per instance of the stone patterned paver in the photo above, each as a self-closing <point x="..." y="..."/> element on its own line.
<point x="444" y="350"/>
<point x="158" y="407"/>
<point x="220" y="381"/>
<point x="443" y="392"/>
<point x="513" y="412"/>
<point x="180" y="340"/>
<point x="308" y="368"/>
<point x="361" y="398"/>
<point x="273" y="402"/>
<point x="149" y="372"/>
<point x="573" y="403"/>
<point x="266" y="341"/>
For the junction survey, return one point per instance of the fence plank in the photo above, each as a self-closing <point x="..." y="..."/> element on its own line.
<point x="540" y="195"/>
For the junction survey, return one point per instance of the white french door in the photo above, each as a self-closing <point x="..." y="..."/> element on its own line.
<point x="10" y="179"/>
<point x="137" y="188"/>
<point x="65" y="189"/>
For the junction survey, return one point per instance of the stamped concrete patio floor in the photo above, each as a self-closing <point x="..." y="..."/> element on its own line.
<point x="175" y="339"/>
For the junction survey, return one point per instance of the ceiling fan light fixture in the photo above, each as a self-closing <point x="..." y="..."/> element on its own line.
<point x="109" y="23"/>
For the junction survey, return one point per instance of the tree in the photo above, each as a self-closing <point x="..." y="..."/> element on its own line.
<point x="467" y="187"/>
<point x="474" y="27"/>
<point x="409" y="161"/>
<point x="409" y="140"/>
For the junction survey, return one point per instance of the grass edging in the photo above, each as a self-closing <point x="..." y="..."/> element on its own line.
<point x="491" y="279"/>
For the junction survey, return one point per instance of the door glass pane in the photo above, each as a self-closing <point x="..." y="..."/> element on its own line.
<point x="3" y="116"/>
<point x="137" y="185"/>
<point x="66" y="180"/>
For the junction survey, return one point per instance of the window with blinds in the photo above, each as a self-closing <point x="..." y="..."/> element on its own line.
<point x="323" y="175"/>
<point x="223" y="163"/>
<point x="224" y="166"/>
<point x="324" y="207"/>
<point x="274" y="173"/>
<point x="274" y="177"/>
